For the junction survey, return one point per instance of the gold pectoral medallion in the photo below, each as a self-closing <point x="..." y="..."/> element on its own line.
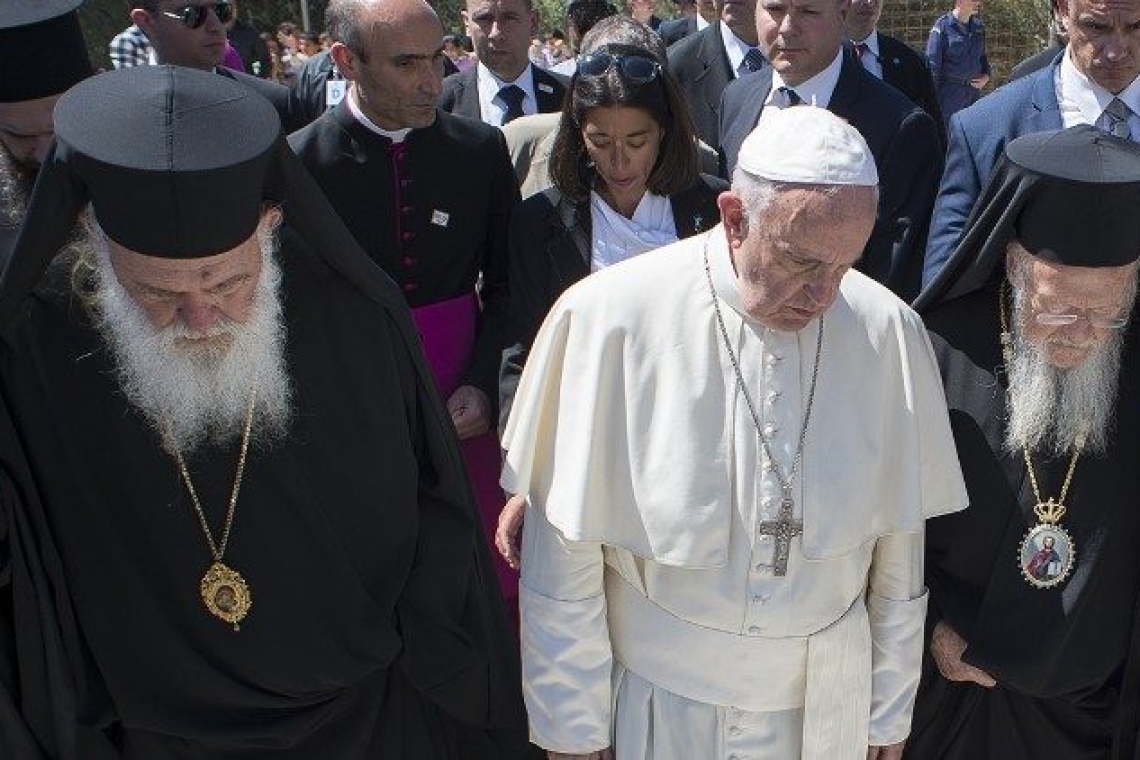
<point x="1047" y="553"/>
<point x="226" y="594"/>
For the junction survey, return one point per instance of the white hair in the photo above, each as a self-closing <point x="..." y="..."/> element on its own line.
<point x="1051" y="408"/>
<point x="191" y="393"/>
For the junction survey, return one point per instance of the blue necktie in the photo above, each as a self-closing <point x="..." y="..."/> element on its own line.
<point x="513" y="96"/>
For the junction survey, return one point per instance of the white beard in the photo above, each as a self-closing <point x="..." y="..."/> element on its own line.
<point x="1050" y="408"/>
<point x="200" y="393"/>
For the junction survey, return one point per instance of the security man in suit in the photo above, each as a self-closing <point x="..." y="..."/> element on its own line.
<point x="504" y="85"/>
<point x="1095" y="80"/>
<point x="809" y="64"/>
<point x="892" y="60"/>
<point x="704" y="63"/>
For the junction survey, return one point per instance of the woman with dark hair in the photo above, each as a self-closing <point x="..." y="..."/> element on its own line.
<point x="626" y="179"/>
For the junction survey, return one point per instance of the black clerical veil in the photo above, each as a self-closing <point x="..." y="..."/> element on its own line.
<point x="1069" y="196"/>
<point x="177" y="163"/>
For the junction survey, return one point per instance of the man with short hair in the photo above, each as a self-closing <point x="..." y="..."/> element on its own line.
<point x="386" y="157"/>
<point x="233" y="517"/>
<point x="1096" y="81"/>
<point x="722" y="554"/>
<point x="804" y="40"/>
<point x="192" y="33"/>
<point x="891" y="59"/>
<point x="1033" y="648"/>
<point x="706" y="62"/>
<point x="504" y="84"/>
<point x="42" y="54"/>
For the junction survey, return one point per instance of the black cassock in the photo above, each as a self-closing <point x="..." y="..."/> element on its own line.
<point x="1058" y="654"/>
<point x="376" y="629"/>
<point x="433" y="211"/>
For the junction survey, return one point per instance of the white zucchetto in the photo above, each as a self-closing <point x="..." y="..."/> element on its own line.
<point x="807" y="145"/>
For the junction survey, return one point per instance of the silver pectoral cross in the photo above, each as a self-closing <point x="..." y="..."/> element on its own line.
<point x="783" y="529"/>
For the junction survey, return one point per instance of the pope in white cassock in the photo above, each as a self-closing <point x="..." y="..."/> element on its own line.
<point x="729" y="447"/>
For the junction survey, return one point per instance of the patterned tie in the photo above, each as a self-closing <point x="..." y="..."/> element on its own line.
<point x="753" y="60"/>
<point x="513" y="96"/>
<point x="862" y="49"/>
<point x="793" y="98"/>
<point x="1118" y="113"/>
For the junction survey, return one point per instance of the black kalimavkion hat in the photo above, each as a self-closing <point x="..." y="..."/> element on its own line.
<point x="42" y="51"/>
<point x="1069" y="196"/>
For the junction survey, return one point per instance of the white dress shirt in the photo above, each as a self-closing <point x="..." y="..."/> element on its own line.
<point x="492" y="108"/>
<point x="1082" y="101"/>
<point x="816" y="91"/>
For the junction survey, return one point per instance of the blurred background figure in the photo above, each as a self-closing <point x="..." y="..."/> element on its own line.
<point x="956" y="52"/>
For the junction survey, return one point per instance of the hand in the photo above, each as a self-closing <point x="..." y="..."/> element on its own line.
<point x="507" y="531"/>
<point x="470" y="411"/>
<point x="946" y="646"/>
<point x="980" y="82"/>
<point x="889" y="752"/>
<point x="604" y="754"/>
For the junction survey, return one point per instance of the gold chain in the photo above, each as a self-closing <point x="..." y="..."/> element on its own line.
<point x="216" y="549"/>
<point x="1047" y="510"/>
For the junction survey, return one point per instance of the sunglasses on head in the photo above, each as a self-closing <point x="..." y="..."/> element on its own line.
<point x="638" y="69"/>
<point x="193" y="16"/>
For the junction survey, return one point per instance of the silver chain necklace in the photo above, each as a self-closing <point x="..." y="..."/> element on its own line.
<point x="784" y="528"/>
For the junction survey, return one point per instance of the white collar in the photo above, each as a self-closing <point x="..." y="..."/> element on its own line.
<point x="489" y="86"/>
<point x="396" y="136"/>
<point x="818" y="90"/>
<point x="1079" y="92"/>
<point x="872" y="43"/>
<point x="734" y="47"/>
<point x="701" y="23"/>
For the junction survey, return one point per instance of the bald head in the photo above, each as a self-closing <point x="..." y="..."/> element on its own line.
<point x="351" y="21"/>
<point x="392" y="52"/>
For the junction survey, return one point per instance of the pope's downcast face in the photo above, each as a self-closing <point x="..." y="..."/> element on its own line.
<point x="791" y="256"/>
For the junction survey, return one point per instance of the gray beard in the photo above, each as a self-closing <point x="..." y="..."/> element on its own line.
<point x="194" y="394"/>
<point x="1050" y="408"/>
<point x="15" y="189"/>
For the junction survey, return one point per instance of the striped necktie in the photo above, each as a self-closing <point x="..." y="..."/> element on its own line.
<point x="793" y="98"/>
<point x="753" y="60"/>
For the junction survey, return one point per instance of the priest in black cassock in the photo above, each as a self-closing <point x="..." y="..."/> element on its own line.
<point x="428" y="195"/>
<point x="234" y="522"/>
<point x="1033" y="588"/>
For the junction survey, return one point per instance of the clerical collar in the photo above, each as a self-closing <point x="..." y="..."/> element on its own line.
<point x="397" y="136"/>
<point x="1081" y="100"/>
<point x="816" y="91"/>
<point x="724" y="275"/>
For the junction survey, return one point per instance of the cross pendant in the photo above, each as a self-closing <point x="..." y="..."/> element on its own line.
<point x="783" y="529"/>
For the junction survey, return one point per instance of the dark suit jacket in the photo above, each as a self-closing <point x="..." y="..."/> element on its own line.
<point x="904" y="141"/>
<point x="677" y="29"/>
<point x="461" y="92"/>
<point x="550" y="242"/>
<point x="702" y="69"/>
<point x="292" y="114"/>
<point x="437" y="239"/>
<point x="978" y="135"/>
<point x="906" y="70"/>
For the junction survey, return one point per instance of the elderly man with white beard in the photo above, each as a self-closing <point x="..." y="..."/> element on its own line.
<point x="234" y="521"/>
<point x="1033" y="649"/>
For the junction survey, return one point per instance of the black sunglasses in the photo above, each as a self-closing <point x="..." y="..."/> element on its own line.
<point x="193" y="16"/>
<point x="634" y="68"/>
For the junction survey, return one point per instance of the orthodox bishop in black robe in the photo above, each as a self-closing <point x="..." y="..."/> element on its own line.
<point x="1050" y="622"/>
<point x="373" y="627"/>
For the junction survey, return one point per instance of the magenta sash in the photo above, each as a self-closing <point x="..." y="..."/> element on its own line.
<point x="447" y="329"/>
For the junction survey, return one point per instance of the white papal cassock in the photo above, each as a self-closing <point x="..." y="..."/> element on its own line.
<point x="651" y="616"/>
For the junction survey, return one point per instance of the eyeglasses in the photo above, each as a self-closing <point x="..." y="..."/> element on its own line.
<point x="193" y="16"/>
<point x="637" y="69"/>
<point x="1064" y="320"/>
